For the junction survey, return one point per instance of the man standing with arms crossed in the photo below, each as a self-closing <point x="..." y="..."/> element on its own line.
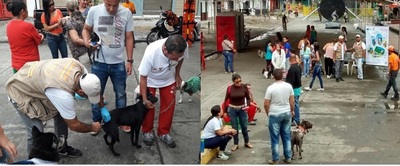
<point x="393" y="71"/>
<point x="160" y="69"/>
<point x="114" y="26"/>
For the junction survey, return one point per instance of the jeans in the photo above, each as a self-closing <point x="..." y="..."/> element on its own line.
<point x="359" y="62"/>
<point x="279" y="125"/>
<point x="228" y="61"/>
<point x="392" y="83"/>
<point x="4" y="157"/>
<point x="297" y="109"/>
<point x="317" y="73"/>
<point x="234" y="114"/>
<point x="117" y="73"/>
<point x="338" y="68"/>
<point x="217" y="141"/>
<point x="60" y="127"/>
<point x="306" y="62"/>
<point x="56" y="43"/>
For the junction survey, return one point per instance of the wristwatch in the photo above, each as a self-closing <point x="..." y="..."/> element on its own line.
<point x="130" y="60"/>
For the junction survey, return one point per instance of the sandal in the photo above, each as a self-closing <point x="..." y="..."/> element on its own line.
<point x="234" y="148"/>
<point x="248" y="145"/>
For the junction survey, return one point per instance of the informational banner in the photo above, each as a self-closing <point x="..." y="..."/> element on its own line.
<point x="377" y="40"/>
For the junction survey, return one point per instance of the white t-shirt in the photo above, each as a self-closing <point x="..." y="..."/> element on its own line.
<point x="111" y="30"/>
<point x="213" y="125"/>
<point x="63" y="101"/>
<point x="279" y="93"/>
<point x="160" y="71"/>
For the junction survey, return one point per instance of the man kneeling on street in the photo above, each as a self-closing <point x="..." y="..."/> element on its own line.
<point x="42" y="90"/>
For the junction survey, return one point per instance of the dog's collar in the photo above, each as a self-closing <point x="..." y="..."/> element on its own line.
<point x="301" y="129"/>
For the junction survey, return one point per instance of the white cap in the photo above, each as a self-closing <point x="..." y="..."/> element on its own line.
<point x="90" y="84"/>
<point x="358" y="35"/>
<point x="341" y="37"/>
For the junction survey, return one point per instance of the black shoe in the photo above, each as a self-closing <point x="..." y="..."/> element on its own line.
<point x="263" y="70"/>
<point x="254" y="120"/>
<point x="341" y="79"/>
<point x="70" y="152"/>
<point x="394" y="98"/>
<point x="384" y="95"/>
<point x="337" y="80"/>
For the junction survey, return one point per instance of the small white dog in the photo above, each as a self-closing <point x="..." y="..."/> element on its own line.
<point x="261" y="54"/>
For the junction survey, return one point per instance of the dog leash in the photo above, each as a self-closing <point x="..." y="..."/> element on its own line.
<point x="134" y="73"/>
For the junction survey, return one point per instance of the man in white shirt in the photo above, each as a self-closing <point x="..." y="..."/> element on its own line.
<point x="279" y="106"/>
<point x="160" y="69"/>
<point x="114" y="26"/>
<point x="339" y="49"/>
<point x="359" y="49"/>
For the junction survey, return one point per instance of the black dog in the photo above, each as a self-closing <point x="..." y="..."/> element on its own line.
<point x="297" y="135"/>
<point x="45" y="148"/>
<point x="132" y="116"/>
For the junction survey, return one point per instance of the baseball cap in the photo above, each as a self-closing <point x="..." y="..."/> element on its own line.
<point x="358" y="35"/>
<point x="391" y="48"/>
<point x="341" y="37"/>
<point x="90" y="84"/>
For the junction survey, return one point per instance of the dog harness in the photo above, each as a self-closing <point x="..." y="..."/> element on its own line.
<point x="193" y="85"/>
<point x="299" y="130"/>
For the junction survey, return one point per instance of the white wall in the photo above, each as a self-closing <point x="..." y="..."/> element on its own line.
<point x="31" y="6"/>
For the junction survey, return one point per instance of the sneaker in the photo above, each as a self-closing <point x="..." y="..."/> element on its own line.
<point x="287" y="161"/>
<point x="148" y="138"/>
<point x="328" y="76"/>
<point x="384" y="95"/>
<point x="394" y="98"/>
<point x="272" y="162"/>
<point x="226" y="72"/>
<point x="320" y="89"/>
<point x="126" y="129"/>
<point x="222" y="156"/>
<point x="167" y="139"/>
<point x="307" y="88"/>
<point x="70" y="152"/>
<point x="93" y="133"/>
<point x="227" y="152"/>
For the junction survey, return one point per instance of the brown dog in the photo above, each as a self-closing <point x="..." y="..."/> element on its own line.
<point x="297" y="135"/>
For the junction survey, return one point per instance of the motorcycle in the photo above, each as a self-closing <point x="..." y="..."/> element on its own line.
<point x="168" y="25"/>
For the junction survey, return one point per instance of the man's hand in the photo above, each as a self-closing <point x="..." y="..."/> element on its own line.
<point x="148" y="104"/>
<point x="105" y="114"/>
<point x="129" y="67"/>
<point x="96" y="126"/>
<point x="292" y="113"/>
<point x="178" y="81"/>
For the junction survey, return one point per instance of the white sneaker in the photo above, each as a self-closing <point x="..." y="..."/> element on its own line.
<point x="227" y="152"/>
<point x="222" y="156"/>
<point x="321" y="89"/>
<point x="307" y="88"/>
<point x="328" y="76"/>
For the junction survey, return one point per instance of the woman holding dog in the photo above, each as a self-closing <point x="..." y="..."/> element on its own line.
<point x="75" y="25"/>
<point x="236" y="94"/>
<point x="215" y="135"/>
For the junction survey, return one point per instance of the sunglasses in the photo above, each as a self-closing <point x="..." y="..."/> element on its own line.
<point x="239" y="81"/>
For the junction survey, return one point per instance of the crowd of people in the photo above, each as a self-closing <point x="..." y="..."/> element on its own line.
<point x="55" y="84"/>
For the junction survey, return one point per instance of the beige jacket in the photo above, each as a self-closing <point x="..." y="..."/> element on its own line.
<point x="27" y="86"/>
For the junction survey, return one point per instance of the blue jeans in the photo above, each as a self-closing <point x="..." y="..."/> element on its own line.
<point x="236" y="114"/>
<point x="4" y="156"/>
<point x="306" y="62"/>
<point x="228" y="61"/>
<point x="217" y="141"/>
<point x="117" y="73"/>
<point x="317" y="73"/>
<point x="56" y="43"/>
<point x="279" y="125"/>
<point x="297" y="109"/>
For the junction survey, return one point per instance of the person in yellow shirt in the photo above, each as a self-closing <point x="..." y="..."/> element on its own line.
<point x="130" y="5"/>
<point x="393" y="70"/>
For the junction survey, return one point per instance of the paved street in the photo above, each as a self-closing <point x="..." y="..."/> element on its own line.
<point x="94" y="149"/>
<point x="353" y="124"/>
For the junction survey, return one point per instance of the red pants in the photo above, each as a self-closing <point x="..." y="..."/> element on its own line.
<point x="167" y="108"/>
<point x="251" y="112"/>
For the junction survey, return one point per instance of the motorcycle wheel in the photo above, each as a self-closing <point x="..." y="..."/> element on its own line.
<point x="151" y="37"/>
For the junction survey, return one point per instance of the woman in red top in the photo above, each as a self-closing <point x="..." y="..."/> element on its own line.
<point x="52" y="19"/>
<point x="22" y="36"/>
